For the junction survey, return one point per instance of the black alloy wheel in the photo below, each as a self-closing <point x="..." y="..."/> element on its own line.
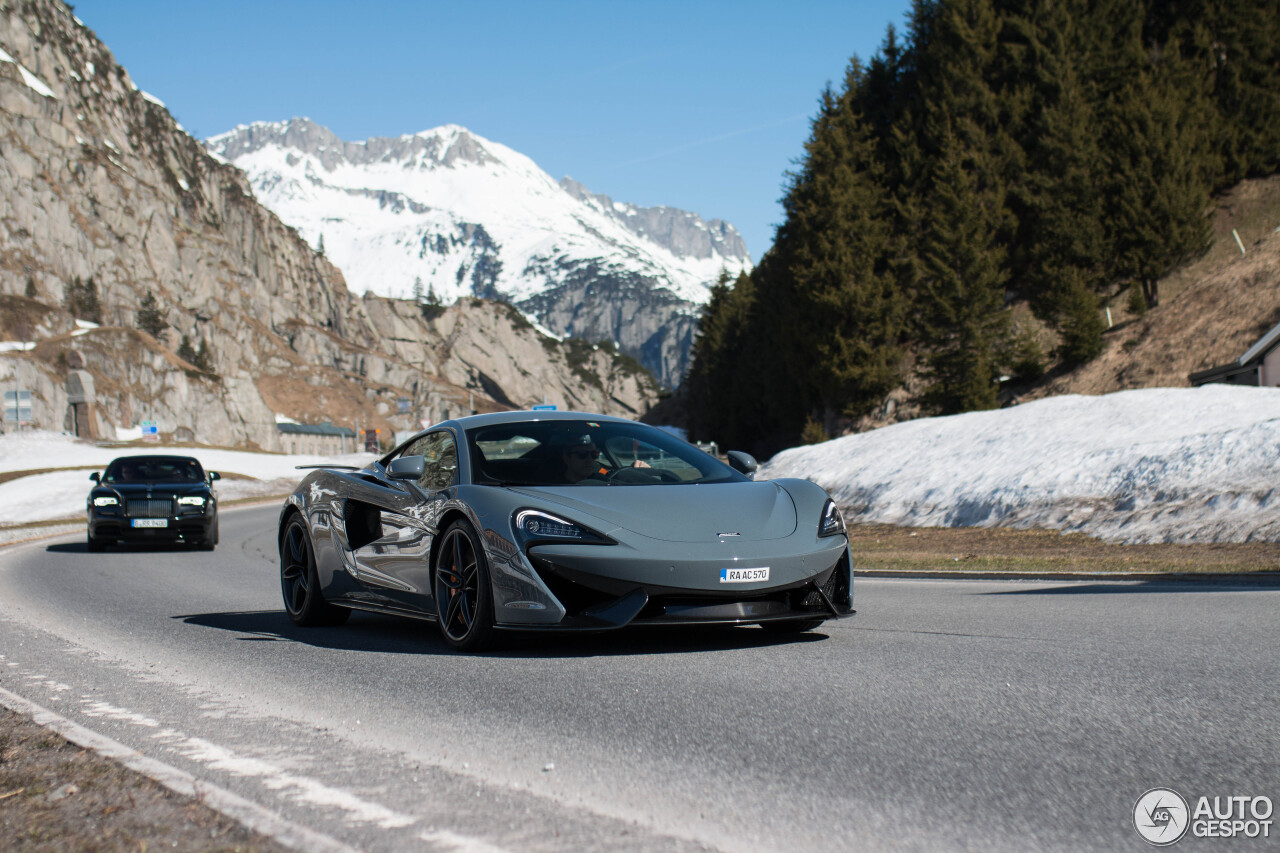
<point x="299" y="583"/>
<point x="464" y="602"/>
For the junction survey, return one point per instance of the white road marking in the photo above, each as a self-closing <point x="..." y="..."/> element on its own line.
<point x="300" y="787"/>
<point x="459" y="843"/>
<point x="296" y="787"/>
<point x="251" y="815"/>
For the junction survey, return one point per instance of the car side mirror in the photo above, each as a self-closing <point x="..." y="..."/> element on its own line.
<point x="214" y="475"/>
<point x="743" y="463"/>
<point x="407" y="468"/>
<point x="96" y="477"/>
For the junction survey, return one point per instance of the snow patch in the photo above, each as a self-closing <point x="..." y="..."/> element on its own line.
<point x="33" y="82"/>
<point x="1153" y="465"/>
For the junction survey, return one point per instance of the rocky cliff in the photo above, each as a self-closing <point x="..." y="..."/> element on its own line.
<point x="103" y="193"/>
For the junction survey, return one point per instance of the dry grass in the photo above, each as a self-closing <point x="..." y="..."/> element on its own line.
<point x="885" y="547"/>
<point x="57" y="796"/>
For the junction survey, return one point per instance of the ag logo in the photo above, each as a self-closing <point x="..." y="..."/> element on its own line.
<point x="1161" y="816"/>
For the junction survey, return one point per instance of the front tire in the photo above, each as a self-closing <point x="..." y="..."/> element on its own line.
<point x="211" y="541"/>
<point x="300" y="583"/>
<point x="464" y="600"/>
<point x="95" y="545"/>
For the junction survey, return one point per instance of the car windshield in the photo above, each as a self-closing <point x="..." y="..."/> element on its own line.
<point x="589" y="453"/>
<point x="154" y="469"/>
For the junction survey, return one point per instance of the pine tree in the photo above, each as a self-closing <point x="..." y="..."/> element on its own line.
<point x="31" y="292"/>
<point x="1153" y="124"/>
<point x="150" y="318"/>
<point x="80" y="298"/>
<point x="186" y="352"/>
<point x="204" y="357"/>
<point x="841" y="310"/>
<point x="960" y="305"/>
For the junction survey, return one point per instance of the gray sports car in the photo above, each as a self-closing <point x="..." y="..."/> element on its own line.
<point x="526" y="521"/>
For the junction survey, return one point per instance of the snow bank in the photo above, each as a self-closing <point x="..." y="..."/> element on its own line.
<point x="59" y="494"/>
<point x="1155" y="465"/>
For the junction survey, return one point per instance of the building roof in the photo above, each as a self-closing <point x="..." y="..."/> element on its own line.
<point x="1241" y="365"/>
<point x="316" y="429"/>
<point x="1263" y="346"/>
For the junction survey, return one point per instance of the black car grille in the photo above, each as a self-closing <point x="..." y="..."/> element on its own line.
<point x="156" y="508"/>
<point x="836" y="588"/>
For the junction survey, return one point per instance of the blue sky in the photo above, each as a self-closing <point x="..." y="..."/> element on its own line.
<point x="698" y="105"/>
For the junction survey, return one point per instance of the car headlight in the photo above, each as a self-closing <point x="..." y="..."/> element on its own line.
<point x="532" y="524"/>
<point x="832" y="523"/>
<point x="105" y="501"/>
<point x="191" y="500"/>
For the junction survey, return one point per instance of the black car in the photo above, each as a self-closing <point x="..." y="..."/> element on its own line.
<point x="153" y="499"/>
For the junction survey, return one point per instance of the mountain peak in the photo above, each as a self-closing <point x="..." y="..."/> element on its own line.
<point x="448" y="212"/>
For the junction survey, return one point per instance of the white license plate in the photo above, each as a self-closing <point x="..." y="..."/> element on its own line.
<point x="151" y="522"/>
<point x="744" y="575"/>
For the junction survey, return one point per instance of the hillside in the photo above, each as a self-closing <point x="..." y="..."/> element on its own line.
<point x="107" y="203"/>
<point x="1216" y="307"/>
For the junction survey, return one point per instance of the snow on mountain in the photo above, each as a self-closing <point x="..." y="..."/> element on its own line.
<point x="448" y="212"/>
<point x="1152" y="465"/>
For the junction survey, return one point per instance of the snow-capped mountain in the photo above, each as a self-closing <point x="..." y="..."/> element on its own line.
<point x="447" y="212"/>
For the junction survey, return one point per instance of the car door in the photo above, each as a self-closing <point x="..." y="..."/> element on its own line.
<point x="397" y="562"/>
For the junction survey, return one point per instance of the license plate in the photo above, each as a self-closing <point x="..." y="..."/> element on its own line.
<point x="151" y="522"/>
<point x="744" y="575"/>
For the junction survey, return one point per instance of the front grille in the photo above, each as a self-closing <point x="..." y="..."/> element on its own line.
<point x="836" y="587"/>
<point x="157" y="508"/>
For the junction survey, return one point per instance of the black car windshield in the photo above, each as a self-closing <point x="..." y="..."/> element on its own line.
<point x="589" y="453"/>
<point x="154" y="469"/>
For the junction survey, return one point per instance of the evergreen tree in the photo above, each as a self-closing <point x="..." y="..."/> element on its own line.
<point x="80" y="297"/>
<point x="186" y="352"/>
<point x="1061" y="241"/>
<point x="150" y="318"/>
<point x="1158" y="197"/>
<point x="204" y="357"/>
<point x="841" y="311"/>
<point x="1080" y="321"/>
<point x="431" y="306"/>
<point x="962" y="293"/>
<point x="31" y="292"/>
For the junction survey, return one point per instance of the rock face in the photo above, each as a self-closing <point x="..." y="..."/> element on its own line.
<point x="102" y="192"/>
<point x="449" y="213"/>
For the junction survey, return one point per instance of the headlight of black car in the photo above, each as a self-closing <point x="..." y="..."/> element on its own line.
<point x="832" y="522"/>
<point x="533" y="526"/>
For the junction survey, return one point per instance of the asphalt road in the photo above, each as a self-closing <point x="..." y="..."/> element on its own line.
<point x="944" y="715"/>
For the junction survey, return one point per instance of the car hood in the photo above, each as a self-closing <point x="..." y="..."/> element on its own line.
<point x="694" y="513"/>
<point x="141" y="490"/>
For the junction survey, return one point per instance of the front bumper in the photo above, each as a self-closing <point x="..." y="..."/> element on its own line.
<point x="186" y="527"/>
<point x="603" y="587"/>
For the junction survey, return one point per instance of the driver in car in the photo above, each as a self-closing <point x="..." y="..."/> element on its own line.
<point x="581" y="460"/>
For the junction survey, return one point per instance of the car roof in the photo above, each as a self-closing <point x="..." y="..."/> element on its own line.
<point x="526" y="416"/>
<point x="158" y="457"/>
<point x="518" y="416"/>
